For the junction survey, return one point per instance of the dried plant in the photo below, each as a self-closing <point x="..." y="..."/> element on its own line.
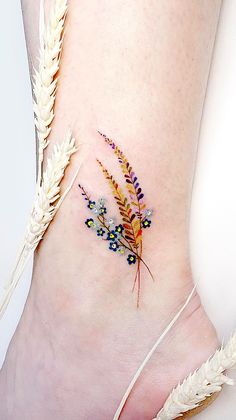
<point x="44" y="79"/>
<point x="47" y="201"/>
<point x="204" y="382"/>
<point x="48" y="192"/>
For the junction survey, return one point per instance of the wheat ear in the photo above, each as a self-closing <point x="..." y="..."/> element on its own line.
<point x="47" y="201"/>
<point x="44" y="80"/>
<point x="48" y="197"/>
<point x="204" y="382"/>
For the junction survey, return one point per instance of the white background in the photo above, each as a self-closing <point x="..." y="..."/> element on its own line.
<point x="213" y="222"/>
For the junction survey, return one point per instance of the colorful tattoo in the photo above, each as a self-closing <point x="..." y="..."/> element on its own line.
<point x="126" y="237"/>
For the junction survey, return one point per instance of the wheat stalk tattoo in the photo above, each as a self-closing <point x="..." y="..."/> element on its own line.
<point x="126" y="237"/>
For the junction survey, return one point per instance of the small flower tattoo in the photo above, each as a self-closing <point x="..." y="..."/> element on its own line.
<point x="91" y="205"/>
<point x="100" y="231"/>
<point x="90" y="223"/>
<point x="119" y="229"/>
<point x="111" y="236"/>
<point x="114" y="246"/>
<point x="102" y="210"/>
<point x="146" y="223"/>
<point x="131" y="259"/>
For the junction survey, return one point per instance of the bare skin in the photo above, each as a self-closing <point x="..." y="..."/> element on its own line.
<point x="138" y="72"/>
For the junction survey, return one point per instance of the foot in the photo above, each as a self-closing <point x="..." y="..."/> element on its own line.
<point x="82" y="337"/>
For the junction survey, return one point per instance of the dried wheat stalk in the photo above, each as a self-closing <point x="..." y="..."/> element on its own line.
<point x="48" y="196"/>
<point x="47" y="201"/>
<point x="205" y="381"/>
<point x="44" y="80"/>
